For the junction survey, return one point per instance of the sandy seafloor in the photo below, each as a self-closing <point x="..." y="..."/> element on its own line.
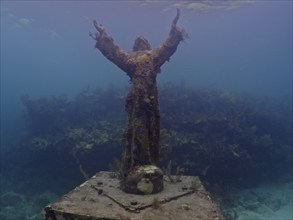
<point x="270" y="200"/>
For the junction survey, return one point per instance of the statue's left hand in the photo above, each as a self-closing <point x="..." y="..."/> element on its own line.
<point x="174" y="23"/>
<point x="100" y="28"/>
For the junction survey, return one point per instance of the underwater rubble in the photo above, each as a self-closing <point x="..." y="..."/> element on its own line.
<point x="16" y="206"/>
<point x="268" y="200"/>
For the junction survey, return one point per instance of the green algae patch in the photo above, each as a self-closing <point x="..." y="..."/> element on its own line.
<point x="145" y="186"/>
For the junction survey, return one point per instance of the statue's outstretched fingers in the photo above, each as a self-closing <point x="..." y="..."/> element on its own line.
<point x="99" y="27"/>
<point x="177" y="17"/>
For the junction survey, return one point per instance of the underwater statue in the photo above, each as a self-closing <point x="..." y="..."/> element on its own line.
<point x="140" y="172"/>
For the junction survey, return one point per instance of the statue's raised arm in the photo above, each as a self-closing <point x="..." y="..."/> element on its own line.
<point x="112" y="52"/>
<point x="168" y="48"/>
<point x="141" y="153"/>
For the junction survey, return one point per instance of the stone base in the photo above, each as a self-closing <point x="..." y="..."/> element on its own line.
<point x="101" y="198"/>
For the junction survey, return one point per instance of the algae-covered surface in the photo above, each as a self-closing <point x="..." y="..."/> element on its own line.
<point x="101" y="198"/>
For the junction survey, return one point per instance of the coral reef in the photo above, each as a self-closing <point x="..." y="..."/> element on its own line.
<point x="212" y="133"/>
<point x="223" y="136"/>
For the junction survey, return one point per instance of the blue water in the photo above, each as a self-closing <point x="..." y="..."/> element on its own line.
<point x="240" y="46"/>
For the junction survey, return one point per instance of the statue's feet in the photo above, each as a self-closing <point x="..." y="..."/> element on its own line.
<point x="145" y="179"/>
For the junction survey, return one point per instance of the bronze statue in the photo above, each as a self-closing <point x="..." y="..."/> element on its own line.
<point x="140" y="160"/>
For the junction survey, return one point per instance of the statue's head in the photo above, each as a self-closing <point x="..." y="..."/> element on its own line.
<point x="141" y="44"/>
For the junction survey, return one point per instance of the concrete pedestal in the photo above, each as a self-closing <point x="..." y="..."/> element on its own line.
<point x="100" y="198"/>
